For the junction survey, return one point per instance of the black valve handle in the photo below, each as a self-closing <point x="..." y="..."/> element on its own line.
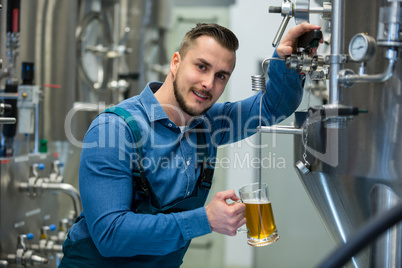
<point x="310" y="39"/>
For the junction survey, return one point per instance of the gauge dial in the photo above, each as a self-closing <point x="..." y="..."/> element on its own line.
<point x="362" y="47"/>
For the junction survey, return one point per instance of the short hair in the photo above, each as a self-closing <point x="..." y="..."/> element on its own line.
<point x="222" y="35"/>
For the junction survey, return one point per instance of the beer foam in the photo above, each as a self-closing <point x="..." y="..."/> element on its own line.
<point x="257" y="201"/>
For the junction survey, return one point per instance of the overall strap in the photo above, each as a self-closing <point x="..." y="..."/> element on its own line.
<point x="138" y="177"/>
<point x="142" y="185"/>
<point x="207" y="168"/>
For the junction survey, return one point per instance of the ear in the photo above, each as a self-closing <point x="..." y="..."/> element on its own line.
<point x="175" y="63"/>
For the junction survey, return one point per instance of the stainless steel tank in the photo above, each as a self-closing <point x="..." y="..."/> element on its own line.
<point x="356" y="169"/>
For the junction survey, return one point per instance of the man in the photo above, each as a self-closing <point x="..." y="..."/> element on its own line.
<point x="147" y="164"/>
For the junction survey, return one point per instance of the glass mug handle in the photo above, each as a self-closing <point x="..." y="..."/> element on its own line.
<point x="241" y="229"/>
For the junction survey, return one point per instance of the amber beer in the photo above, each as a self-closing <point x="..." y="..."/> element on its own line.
<point x="260" y="219"/>
<point x="261" y="229"/>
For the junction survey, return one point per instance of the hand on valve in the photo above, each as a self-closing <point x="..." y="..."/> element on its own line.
<point x="288" y="43"/>
<point x="224" y="218"/>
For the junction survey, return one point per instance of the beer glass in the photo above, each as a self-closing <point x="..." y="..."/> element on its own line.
<point x="261" y="228"/>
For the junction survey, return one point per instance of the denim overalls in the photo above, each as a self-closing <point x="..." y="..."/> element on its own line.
<point x="83" y="252"/>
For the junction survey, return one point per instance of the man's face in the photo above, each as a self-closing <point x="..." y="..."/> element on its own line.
<point x="201" y="75"/>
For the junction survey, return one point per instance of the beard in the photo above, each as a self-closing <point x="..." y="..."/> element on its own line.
<point x="182" y="103"/>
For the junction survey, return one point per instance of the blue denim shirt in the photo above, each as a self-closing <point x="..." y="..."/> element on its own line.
<point x="169" y="159"/>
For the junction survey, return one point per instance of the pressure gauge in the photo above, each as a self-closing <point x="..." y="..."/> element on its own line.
<point x="362" y="47"/>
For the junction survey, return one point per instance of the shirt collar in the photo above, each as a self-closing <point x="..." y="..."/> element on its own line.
<point x="151" y="105"/>
<point x="154" y="110"/>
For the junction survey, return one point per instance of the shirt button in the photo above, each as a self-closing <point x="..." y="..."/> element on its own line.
<point x="188" y="163"/>
<point x="170" y="125"/>
<point x="188" y="193"/>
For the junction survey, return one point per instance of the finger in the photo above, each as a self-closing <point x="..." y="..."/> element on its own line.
<point x="229" y="194"/>
<point x="287" y="50"/>
<point x="234" y="203"/>
<point x="300" y="29"/>
<point x="313" y="51"/>
<point x="241" y="223"/>
<point x="288" y="43"/>
<point x="308" y="26"/>
<point x="239" y="209"/>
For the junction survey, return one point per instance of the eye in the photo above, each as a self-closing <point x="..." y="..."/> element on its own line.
<point x="220" y="76"/>
<point x="201" y="67"/>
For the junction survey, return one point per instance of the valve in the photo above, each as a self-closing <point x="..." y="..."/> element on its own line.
<point x="303" y="62"/>
<point x="301" y="11"/>
<point x="44" y="232"/>
<point x="36" y="168"/>
<point x="23" y="256"/>
<point x="55" y="175"/>
<point x="63" y="229"/>
<point x="47" y="245"/>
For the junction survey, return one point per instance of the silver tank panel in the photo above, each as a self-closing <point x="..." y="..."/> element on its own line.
<point x="366" y="176"/>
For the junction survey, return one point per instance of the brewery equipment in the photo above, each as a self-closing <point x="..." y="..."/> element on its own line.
<point x="64" y="61"/>
<point x="347" y="151"/>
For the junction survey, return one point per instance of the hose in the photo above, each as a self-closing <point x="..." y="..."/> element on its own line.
<point x="367" y="234"/>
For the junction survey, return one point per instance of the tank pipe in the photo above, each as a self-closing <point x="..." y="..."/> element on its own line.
<point x="367" y="234"/>
<point x="316" y="10"/>
<point x="8" y="95"/>
<point x="36" y="145"/>
<point x="350" y="79"/>
<point x="54" y="248"/>
<point x="86" y="107"/>
<point x="280" y="130"/>
<point x="62" y="187"/>
<point x="67" y="189"/>
<point x="7" y="120"/>
<point x="336" y="28"/>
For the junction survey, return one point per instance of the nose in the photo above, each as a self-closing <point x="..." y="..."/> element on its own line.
<point x="207" y="81"/>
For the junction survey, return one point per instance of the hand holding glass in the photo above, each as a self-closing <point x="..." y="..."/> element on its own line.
<point x="261" y="228"/>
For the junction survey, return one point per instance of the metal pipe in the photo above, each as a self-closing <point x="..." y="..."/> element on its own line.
<point x="363" y="237"/>
<point x="316" y="10"/>
<point x="87" y="107"/>
<point x="50" y="249"/>
<point x="281" y="30"/>
<point x="67" y="189"/>
<point x="7" y="120"/>
<point x="61" y="187"/>
<point x="336" y="28"/>
<point x="280" y="130"/>
<point x="373" y="78"/>
<point x="9" y="96"/>
<point x="36" y="148"/>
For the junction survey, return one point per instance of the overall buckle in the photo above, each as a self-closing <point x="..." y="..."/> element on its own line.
<point x="206" y="176"/>
<point x="141" y="183"/>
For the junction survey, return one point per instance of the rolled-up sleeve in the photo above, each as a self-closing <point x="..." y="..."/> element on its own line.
<point x="234" y="121"/>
